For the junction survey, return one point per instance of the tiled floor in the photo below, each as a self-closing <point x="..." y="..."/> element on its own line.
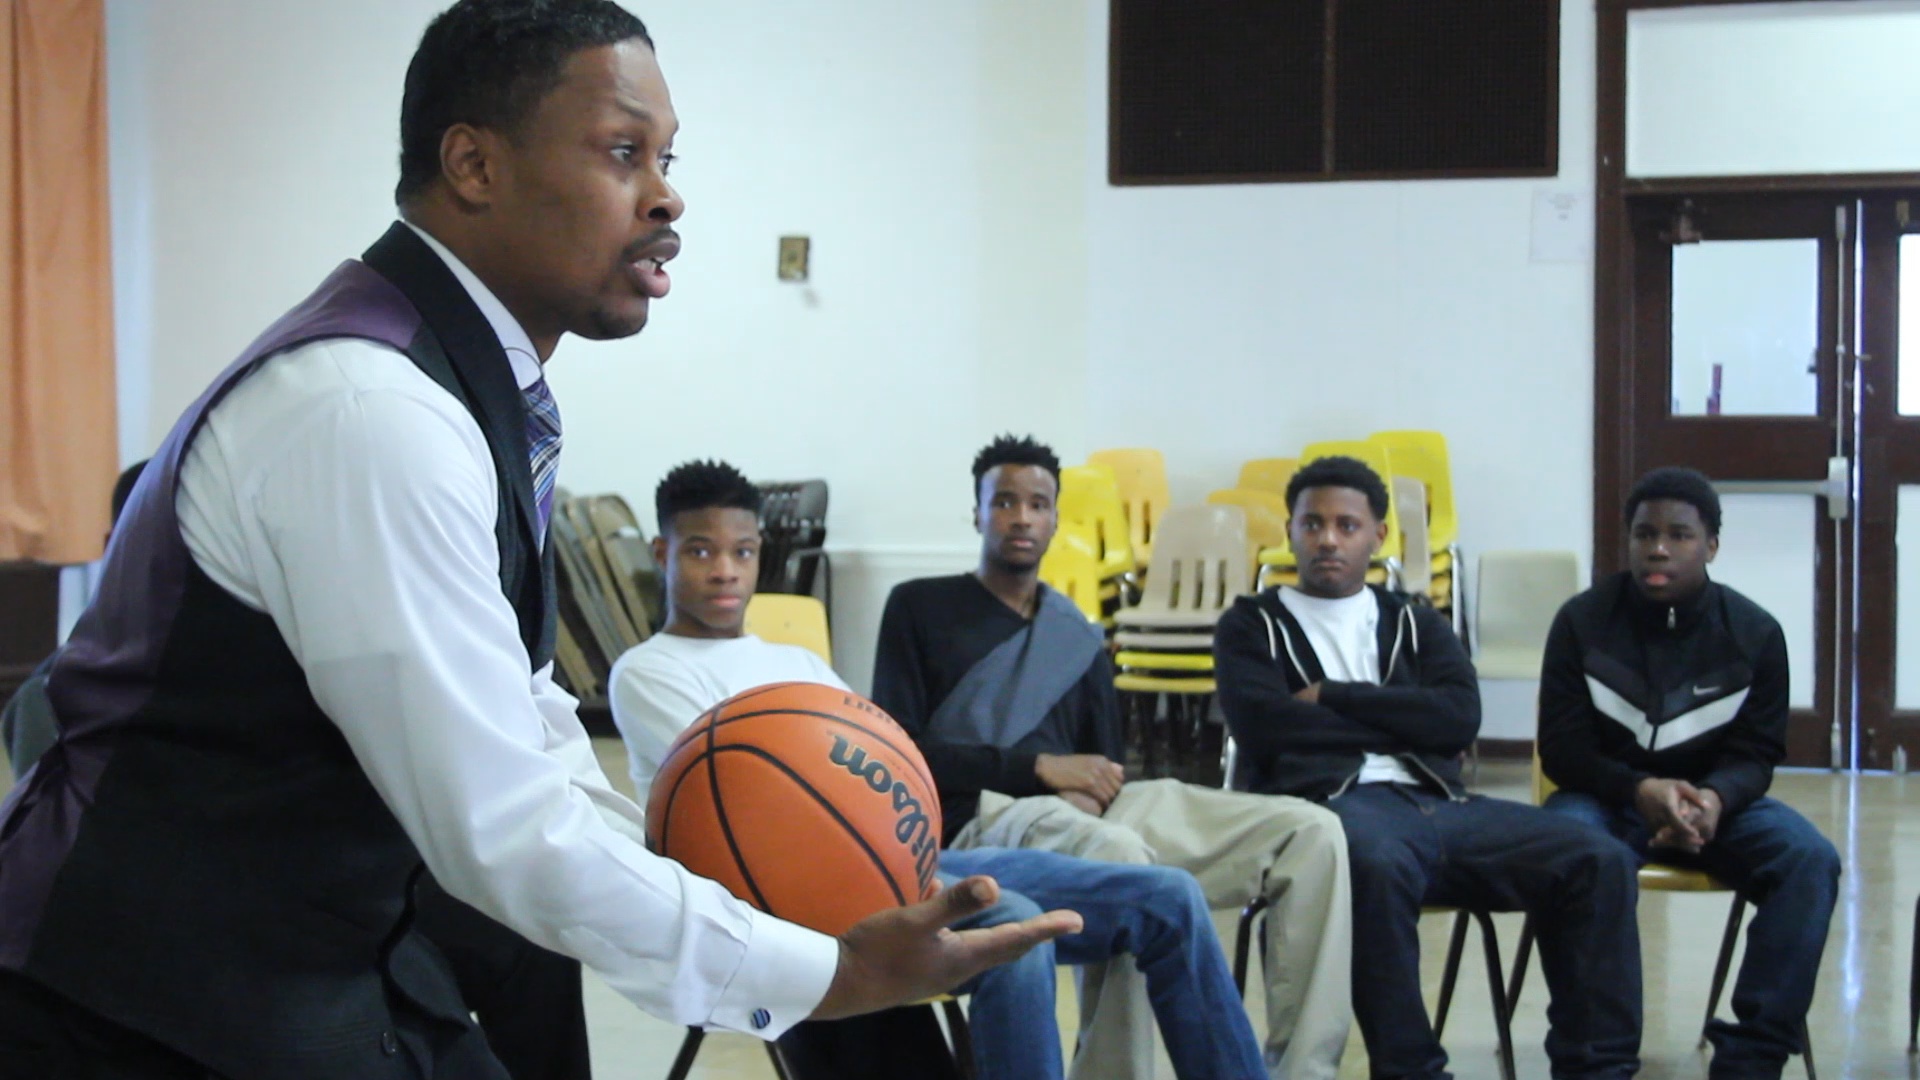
<point x="1858" y="1022"/>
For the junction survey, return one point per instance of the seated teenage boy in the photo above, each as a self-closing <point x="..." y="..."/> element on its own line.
<point x="709" y="549"/>
<point x="1009" y="692"/>
<point x="1663" y="712"/>
<point x="1351" y="695"/>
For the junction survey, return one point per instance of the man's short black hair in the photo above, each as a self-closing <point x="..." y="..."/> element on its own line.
<point x="1681" y="485"/>
<point x="1010" y="449"/>
<point x="488" y="63"/>
<point x="123" y="488"/>
<point x="1343" y="472"/>
<point x="703" y="485"/>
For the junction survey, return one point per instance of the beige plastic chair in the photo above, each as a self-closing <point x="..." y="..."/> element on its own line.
<point x="1518" y="594"/>
<point x="1266" y="514"/>
<point x="1199" y="565"/>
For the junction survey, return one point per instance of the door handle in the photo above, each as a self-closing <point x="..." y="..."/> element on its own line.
<point x="1837" y="488"/>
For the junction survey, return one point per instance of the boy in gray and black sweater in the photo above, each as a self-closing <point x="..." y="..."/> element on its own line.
<point x="1663" y="712"/>
<point x="1350" y="695"/>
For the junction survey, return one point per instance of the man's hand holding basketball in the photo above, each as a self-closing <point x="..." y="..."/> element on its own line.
<point x="907" y="954"/>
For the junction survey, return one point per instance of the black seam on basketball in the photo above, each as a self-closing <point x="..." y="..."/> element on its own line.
<point x="884" y="741"/>
<point x="726" y="827"/>
<point x="673" y="795"/>
<point x="878" y="863"/>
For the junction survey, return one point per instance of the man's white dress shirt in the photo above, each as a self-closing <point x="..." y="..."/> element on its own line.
<point x="346" y="495"/>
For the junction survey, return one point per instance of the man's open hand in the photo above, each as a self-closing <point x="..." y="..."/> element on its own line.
<point x="907" y="954"/>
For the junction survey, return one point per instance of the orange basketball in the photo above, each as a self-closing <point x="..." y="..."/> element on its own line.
<point x="805" y="801"/>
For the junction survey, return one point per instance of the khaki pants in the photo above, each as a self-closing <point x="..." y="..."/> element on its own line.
<point x="1235" y="844"/>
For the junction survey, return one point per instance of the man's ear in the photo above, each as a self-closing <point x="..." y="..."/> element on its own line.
<point x="659" y="546"/>
<point x="1713" y="547"/>
<point x="469" y="164"/>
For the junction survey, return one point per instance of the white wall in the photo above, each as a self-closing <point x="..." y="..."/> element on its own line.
<point x="1773" y="88"/>
<point x="1245" y="321"/>
<point x="972" y="270"/>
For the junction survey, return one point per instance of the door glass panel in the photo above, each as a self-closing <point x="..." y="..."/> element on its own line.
<point x="1906" y="618"/>
<point x="1909" y="320"/>
<point x="1746" y="328"/>
<point x="1769" y="552"/>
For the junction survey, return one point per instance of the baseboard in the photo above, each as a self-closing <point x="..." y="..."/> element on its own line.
<point x="1505" y="749"/>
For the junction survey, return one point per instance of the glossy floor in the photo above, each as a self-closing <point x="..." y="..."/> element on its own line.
<point x="1859" y="1017"/>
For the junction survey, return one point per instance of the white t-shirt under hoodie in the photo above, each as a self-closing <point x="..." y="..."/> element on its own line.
<point x="1345" y="635"/>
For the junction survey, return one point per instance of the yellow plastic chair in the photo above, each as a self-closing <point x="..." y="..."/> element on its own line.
<point x="1090" y="496"/>
<point x="1142" y="478"/>
<point x="1072" y="567"/>
<point x="1423" y="456"/>
<point x="1278" y="566"/>
<point x="785" y="619"/>
<point x="1268" y="474"/>
<point x="1658" y="877"/>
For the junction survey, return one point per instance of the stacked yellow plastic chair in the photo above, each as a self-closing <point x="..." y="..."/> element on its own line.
<point x="1423" y="456"/>
<point x="1142" y="479"/>
<point x="1268" y="474"/>
<point x="1093" y="519"/>
<point x="1072" y="567"/>
<point x="1166" y="641"/>
<point x="1277" y="563"/>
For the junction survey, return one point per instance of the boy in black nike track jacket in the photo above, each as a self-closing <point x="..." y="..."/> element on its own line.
<point x="1663" y="712"/>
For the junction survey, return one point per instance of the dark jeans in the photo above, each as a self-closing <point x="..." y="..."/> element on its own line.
<point x="1407" y="847"/>
<point x="1791" y="874"/>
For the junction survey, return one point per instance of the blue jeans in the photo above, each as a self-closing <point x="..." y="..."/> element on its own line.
<point x="1791" y="874"/>
<point x="1408" y="847"/>
<point x="1159" y="916"/>
<point x="1011" y="1016"/>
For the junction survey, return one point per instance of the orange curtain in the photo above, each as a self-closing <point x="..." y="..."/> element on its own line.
<point x="59" y="450"/>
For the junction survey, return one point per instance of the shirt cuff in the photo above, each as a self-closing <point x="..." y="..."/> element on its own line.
<point x="781" y="980"/>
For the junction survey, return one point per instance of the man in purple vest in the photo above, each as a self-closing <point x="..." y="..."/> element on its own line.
<point x="321" y="664"/>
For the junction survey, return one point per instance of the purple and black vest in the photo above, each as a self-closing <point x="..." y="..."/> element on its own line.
<point x="200" y="857"/>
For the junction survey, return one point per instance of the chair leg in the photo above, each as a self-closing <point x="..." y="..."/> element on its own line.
<point x="1522" y="954"/>
<point x="779" y="1059"/>
<point x="1450" y="974"/>
<point x="1727" y="942"/>
<point x="1913" y="987"/>
<point x="689" y="1049"/>
<point x="962" y="1036"/>
<point x="1497" y="993"/>
<point x="1243" y="940"/>
<point x="1806" y="1050"/>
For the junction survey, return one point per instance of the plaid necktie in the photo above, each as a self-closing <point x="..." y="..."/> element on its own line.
<point x="543" y="446"/>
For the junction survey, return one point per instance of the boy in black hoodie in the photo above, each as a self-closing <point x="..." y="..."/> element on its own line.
<point x="1663" y="711"/>
<point x="1350" y="695"/>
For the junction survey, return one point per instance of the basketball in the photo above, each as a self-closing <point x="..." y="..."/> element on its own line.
<point x="805" y="801"/>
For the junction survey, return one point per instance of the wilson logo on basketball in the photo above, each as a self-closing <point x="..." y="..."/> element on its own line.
<point x="911" y="826"/>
